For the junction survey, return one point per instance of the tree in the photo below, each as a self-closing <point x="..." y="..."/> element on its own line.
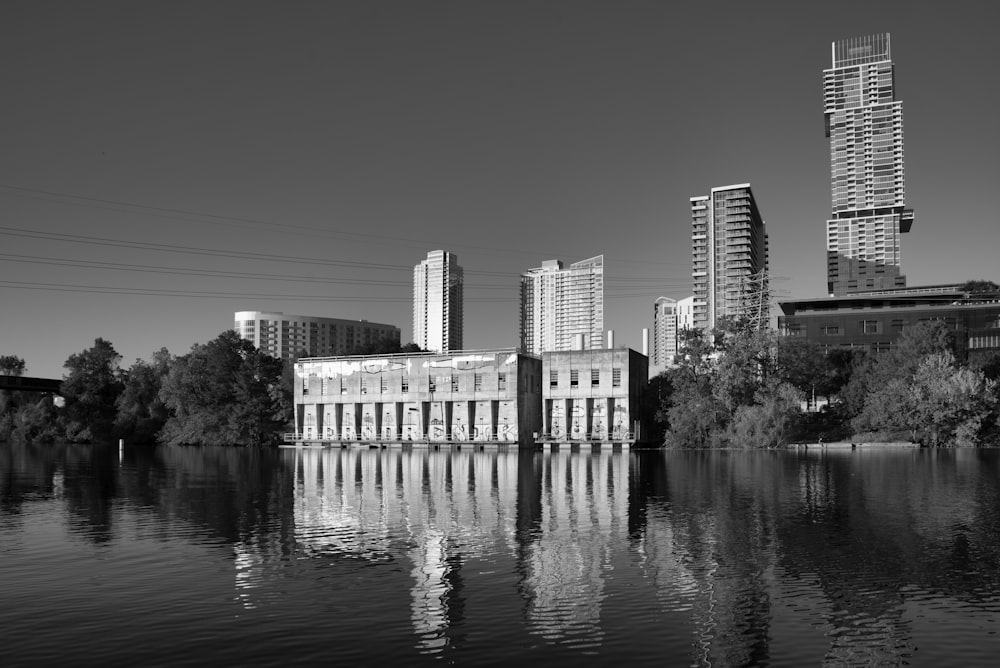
<point x="141" y="412"/>
<point x="224" y="392"/>
<point x="11" y="365"/>
<point x="91" y="389"/>
<point x="950" y="404"/>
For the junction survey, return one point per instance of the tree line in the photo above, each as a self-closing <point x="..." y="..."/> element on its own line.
<point x="224" y="392"/>
<point x="740" y="388"/>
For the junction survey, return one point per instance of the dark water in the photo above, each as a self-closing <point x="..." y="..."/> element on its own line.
<point x="227" y="557"/>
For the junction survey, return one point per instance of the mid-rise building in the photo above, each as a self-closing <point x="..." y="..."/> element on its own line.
<point x="872" y="322"/>
<point x="290" y="336"/>
<point x="593" y="396"/>
<point x="864" y="123"/>
<point x="561" y="305"/>
<point x="438" y="297"/>
<point x="729" y="256"/>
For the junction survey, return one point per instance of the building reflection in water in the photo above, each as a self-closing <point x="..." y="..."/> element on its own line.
<point x="584" y="520"/>
<point x="447" y="507"/>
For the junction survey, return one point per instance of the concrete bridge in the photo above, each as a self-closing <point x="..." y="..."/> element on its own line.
<point x="29" y="384"/>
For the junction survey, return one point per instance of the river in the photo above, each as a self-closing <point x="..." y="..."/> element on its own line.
<point x="175" y="556"/>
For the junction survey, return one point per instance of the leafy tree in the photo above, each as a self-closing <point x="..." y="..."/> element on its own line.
<point x="980" y="287"/>
<point x="141" y="412"/>
<point x="951" y="404"/>
<point x="11" y="365"/>
<point x="91" y="389"/>
<point x="224" y="392"/>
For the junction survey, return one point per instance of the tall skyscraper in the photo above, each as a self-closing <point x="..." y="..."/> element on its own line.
<point x="864" y="123"/>
<point x="437" y="302"/>
<point x="664" y="332"/>
<point x="559" y="305"/>
<point x="729" y="255"/>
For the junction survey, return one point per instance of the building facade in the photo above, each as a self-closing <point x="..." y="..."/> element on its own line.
<point x="864" y="123"/>
<point x="288" y="336"/>
<point x="438" y="298"/>
<point x="664" y="332"/>
<point x="560" y="305"/>
<point x="873" y="322"/>
<point x="474" y="397"/>
<point x="729" y="256"/>
<point x="593" y="396"/>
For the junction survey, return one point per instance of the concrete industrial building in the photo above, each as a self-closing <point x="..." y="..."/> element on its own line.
<point x="864" y="123"/>
<point x="593" y="396"/>
<point x="729" y="256"/>
<point x="438" y="298"/>
<point x="287" y="336"/>
<point x="559" y="305"/>
<point x="473" y="397"/>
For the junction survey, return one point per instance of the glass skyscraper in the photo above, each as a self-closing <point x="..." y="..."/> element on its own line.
<point x="438" y="292"/>
<point x="864" y="123"/>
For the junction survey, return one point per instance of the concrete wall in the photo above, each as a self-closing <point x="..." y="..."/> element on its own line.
<point x="593" y="395"/>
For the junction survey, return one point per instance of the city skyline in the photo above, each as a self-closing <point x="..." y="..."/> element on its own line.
<point x="301" y="161"/>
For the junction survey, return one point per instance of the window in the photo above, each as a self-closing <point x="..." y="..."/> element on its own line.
<point x="870" y="326"/>
<point x="325" y="386"/>
<point x="898" y="324"/>
<point x="574" y="378"/>
<point x="364" y="386"/>
<point x="383" y="384"/>
<point x="595" y="377"/>
<point x="553" y="378"/>
<point x="454" y="383"/>
<point x="477" y="381"/>
<point x="831" y="330"/>
<point x="616" y="377"/>
<point x="501" y="381"/>
<point x="406" y="384"/>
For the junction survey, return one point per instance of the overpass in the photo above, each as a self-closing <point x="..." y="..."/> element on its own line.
<point x="29" y="384"/>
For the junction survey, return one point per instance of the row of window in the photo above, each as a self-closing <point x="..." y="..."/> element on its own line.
<point x="595" y="377"/>
<point x="434" y="382"/>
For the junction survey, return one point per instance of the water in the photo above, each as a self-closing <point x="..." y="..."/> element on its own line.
<point x="206" y="556"/>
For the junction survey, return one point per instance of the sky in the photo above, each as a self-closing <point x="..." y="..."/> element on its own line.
<point x="164" y="165"/>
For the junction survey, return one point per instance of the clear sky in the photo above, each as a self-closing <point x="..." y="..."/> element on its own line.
<point x="164" y="165"/>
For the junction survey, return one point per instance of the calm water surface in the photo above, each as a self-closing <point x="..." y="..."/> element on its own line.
<point x="205" y="556"/>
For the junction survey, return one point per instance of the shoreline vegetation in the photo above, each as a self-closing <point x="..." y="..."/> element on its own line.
<point x="735" y="389"/>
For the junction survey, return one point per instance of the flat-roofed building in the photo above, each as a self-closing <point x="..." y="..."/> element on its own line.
<point x="593" y="396"/>
<point x="561" y="305"/>
<point x="287" y="336"/>
<point x="873" y="321"/>
<point x="463" y="397"/>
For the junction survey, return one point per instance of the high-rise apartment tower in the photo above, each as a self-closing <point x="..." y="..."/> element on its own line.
<point x="664" y="332"/>
<point x="437" y="302"/>
<point x="728" y="254"/>
<point x="864" y="123"/>
<point x="559" y="306"/>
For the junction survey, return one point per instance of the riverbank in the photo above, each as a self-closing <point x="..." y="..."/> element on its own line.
<point x="839" y="445"/>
